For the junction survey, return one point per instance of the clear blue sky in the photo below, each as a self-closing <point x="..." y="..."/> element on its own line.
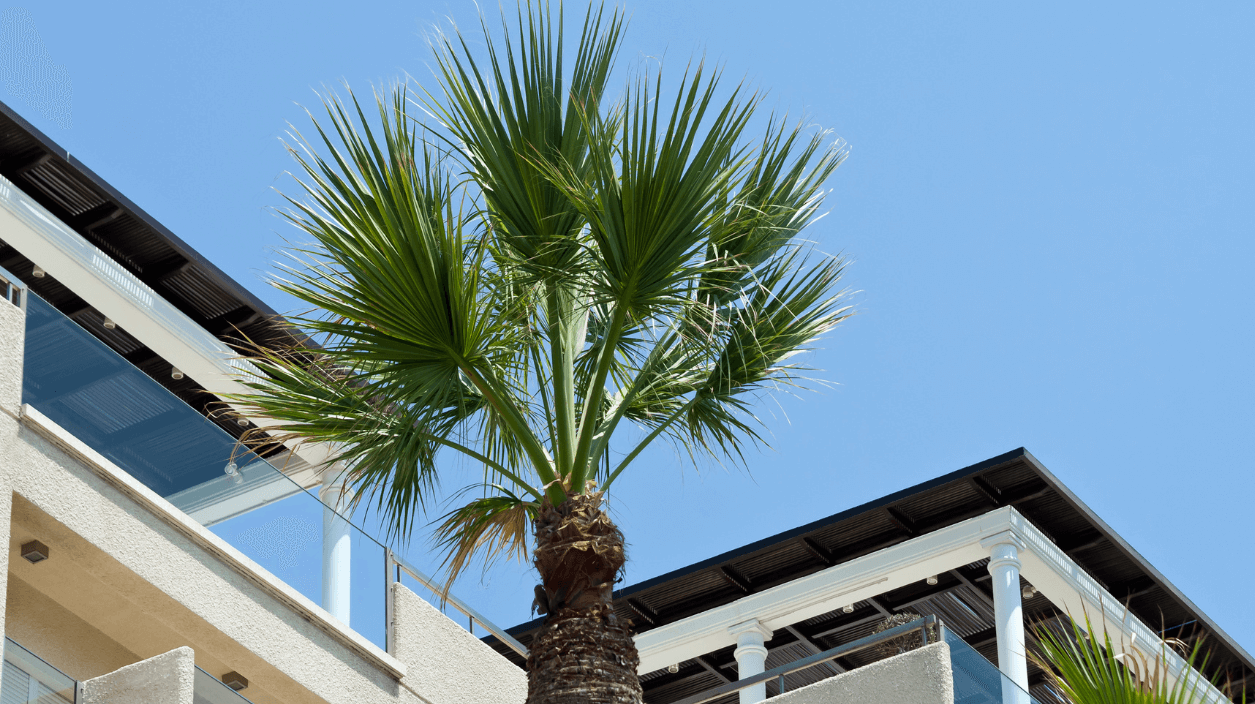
<point x="1049" y="209"/>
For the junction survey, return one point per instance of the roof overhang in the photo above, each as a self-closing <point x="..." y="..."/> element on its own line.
<point x="887" y="548"/>
<point x="145" y="315"/>
<point x="1043" y="565"/>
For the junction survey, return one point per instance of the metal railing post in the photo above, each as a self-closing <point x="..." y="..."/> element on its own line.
<point x="390" y="571"/>
<point x="449" y="600"/>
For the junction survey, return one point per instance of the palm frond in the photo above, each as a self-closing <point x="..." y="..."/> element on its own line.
<point x="537" y="265"/>
<point x="505" y="113"/>
<point x="1085" y="666"/>
<point x="413" y="349"/>
<point x="778" y="196"/>
<point x="493" y="526"/>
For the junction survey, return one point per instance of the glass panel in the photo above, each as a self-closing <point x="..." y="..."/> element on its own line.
<point x="207" y="689"/>
<point x="119" y="411"/>
<point x="286" y="539"/>
<point x="27" y="679"/>
<point x="976" y="680"/>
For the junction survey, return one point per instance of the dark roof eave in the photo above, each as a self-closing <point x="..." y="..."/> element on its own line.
<point x="174" y="241"/>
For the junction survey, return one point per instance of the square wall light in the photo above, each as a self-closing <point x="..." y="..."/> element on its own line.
<point x="35" y="551"/>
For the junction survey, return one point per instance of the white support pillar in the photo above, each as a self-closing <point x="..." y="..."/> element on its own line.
<point x="1004" y="566"/>
<point x="336" y="546"/>
<point x="751" y="656"/>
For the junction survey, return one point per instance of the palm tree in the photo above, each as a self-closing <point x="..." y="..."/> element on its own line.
<point x="1082" y="669"/>
<point x="524" y="275"/>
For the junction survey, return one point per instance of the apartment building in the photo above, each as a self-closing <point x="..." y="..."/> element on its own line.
<point x="154" y="558"/>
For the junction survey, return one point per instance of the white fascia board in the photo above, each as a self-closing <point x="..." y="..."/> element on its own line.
<point x="1079" y="595"/>
<point x="882" y="571"/>
<point x="93" y="276"/>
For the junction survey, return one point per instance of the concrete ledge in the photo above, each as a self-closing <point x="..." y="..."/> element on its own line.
<point x="919" y="677"/>
<point x="166" y="679"/>
<point x="445" y="662"/>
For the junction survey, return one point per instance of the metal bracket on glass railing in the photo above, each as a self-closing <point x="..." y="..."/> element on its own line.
<point x="13" y="289"/>
<point x="473" y="615"/>
<point x="391" y="575"/>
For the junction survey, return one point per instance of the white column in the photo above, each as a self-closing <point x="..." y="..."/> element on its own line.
<point x="336" y="556"/>
<point x="751" y="656"/>
<point x="1004" y="566"/>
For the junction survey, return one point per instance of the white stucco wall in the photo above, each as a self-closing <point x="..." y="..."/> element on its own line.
<point x="12" y="344"/>
<point x="12" y="339"/>
<point x="166" y="679"/>
<point x="445" y="663"/>
<point x="919" y="677"/>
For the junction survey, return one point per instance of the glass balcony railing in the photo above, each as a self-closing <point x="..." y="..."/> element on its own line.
<point x="978" y="681"/>
<point x="207" y="689"/>
<point x="27" y="679"/>
<point x="117" y="410"/>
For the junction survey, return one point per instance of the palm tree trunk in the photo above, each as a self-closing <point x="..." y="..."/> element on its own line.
<point x="583" y="653"/>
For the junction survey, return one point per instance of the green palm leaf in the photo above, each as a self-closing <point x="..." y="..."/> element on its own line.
<point x="537" y="266"/>
<point x="1085" y="666"/>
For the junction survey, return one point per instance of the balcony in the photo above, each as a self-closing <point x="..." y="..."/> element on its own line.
<point x="99" y="397"/>
<point x="268" y="543"/>
<point x="916" y="663"/>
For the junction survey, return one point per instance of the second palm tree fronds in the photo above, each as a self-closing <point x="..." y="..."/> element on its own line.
<point x="1085" y="666"/>
<point x="546" y="283"/>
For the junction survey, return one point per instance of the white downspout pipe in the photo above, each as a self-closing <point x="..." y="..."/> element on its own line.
<point x="1004" y="567"/>
<point x="336" y="547"/>
<point x="751" y="657"/>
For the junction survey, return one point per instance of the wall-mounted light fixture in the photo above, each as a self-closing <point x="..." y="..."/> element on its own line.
<point x="35" y="551"/>
<point x="932" y="581"/>
<point x="176" y="373"/>
<point x="673" y="668"/>
<point x="38" y="272"/>
<point x="235" y="681"/>
<point x="109" y="324"/>
<point x="848" y="608"/>
<point x="1029" y="592"/>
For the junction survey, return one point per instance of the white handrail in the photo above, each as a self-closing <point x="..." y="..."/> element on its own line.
<point x="438" y="588"/>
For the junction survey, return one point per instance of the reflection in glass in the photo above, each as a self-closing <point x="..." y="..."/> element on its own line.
<point x="116" y="409"/>
<point x="27" y="679"/>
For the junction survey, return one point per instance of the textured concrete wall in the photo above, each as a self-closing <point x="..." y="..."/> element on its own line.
<point x="60" y="637"/>
<point x="919" y="677"/>
<point x="12" y="343"/>
<point x="446" y="664"/>
<point x="165" y="679"/>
